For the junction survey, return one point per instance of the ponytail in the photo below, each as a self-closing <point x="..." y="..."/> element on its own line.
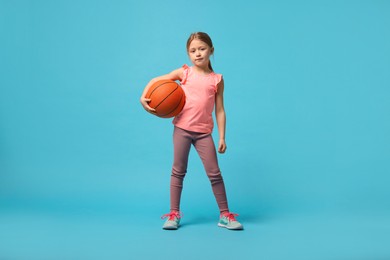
<point x="210" y="67"/>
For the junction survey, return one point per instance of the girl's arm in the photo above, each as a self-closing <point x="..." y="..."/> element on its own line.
<point x="173" y="75"/>
<point x="220" y="117"/>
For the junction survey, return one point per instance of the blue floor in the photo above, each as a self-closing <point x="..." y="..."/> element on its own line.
<point x="115" y="232"/>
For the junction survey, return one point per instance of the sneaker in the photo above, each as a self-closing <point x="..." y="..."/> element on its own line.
<point x="173" y="221"/>
<point x="228" y="220"/>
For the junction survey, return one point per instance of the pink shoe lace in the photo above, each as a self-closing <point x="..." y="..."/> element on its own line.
<point x="172" y="215"/>
<point x="230" y="216"/>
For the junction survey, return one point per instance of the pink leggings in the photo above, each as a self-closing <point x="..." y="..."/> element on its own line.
<point x="204" y="145"/>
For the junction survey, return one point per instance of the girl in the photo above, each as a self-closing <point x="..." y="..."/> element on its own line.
<point x="194" y="125"/>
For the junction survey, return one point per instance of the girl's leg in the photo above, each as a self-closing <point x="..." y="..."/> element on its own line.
<point x="205" y="147"/>
<point x="181" y="145"/>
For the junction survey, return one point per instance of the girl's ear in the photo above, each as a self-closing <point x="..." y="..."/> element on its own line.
<point x="212" y="50"/>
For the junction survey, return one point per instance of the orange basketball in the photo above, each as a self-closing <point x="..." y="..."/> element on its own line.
<point x="167" y="97"/>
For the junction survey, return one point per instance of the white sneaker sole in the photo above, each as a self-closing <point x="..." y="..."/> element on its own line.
<point x="231" y="228"/>
<point x="170" y="228"/>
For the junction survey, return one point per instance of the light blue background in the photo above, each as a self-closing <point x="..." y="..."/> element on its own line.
<point x="84" y="170"/>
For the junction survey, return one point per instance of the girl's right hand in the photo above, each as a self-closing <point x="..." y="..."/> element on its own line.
<point x="173" y="75"/>
<point x="145" y="103"/>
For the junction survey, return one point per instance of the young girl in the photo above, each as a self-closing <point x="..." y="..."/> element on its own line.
<point x="194" y="125"/>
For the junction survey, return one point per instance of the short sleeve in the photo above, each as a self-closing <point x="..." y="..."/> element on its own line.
<point x="217" y="78"/>
<point x="185" y="73"/>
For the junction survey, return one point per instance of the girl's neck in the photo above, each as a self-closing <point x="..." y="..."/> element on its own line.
<point x="202" y="71"/>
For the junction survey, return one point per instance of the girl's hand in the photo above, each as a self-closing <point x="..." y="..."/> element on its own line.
<point x="145" y="103"/>
<point x="222" y="146"/>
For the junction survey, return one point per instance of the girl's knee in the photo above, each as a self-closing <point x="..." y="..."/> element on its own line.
<point x="179" y="173"/>
<point x="215" y="177"/>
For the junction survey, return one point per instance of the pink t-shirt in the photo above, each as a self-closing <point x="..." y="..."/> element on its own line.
<point x="200" y="91"/>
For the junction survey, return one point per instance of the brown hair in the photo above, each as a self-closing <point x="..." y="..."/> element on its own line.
<point x="204" y="37"/>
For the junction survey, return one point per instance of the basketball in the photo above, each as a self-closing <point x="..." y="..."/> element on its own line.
<point x="167" y="97"/>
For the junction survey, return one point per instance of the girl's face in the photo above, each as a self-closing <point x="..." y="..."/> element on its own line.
<point x="199" y="53"/>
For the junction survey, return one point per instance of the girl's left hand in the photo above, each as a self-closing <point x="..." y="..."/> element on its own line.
<point x="222" y="146"/>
